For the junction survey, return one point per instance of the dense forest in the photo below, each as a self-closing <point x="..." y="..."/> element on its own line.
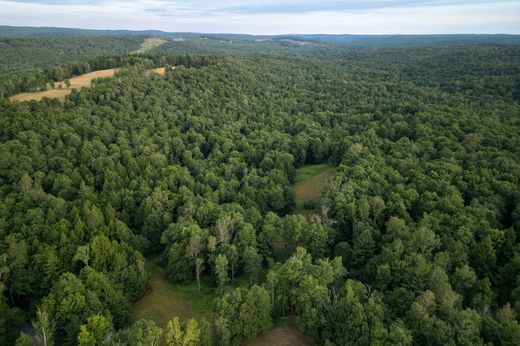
<point x="415" y="240"/>
<point x="41" y="52"/>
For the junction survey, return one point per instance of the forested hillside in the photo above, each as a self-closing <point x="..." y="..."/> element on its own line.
<point x="415" y="240"/>
<point x="21" y="54"/>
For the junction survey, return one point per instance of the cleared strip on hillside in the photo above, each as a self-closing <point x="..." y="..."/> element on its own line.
<point x="149" y="44"/>
<point x="61" y="90"/>
<point x="85" y="80"/>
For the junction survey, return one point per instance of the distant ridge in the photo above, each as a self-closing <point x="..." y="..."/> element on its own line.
<point x="31" y="31"/>
<point x="365" y="40"/>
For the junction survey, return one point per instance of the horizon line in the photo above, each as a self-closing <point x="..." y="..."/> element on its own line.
<point x="278" y="34"/>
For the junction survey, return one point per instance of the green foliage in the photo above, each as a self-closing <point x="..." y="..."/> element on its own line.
<point x="42" y="52"/>
<point x="187" y="335"/>
<point x="422" y="209"/>
<point x="173" y="333"/>
<point x="95" y="332"/>
<point x="23" y="340"/>
<point x="358" y="319"/>
<point x="252" y="263"/>
<point x="44" y="327"/>
<point x="4" y="314"/>
<point x="141" y="333"/>
<point x="41" y="79"/>
<point x="242" y="314"/>
<point x="221" y="268"/>
<point x="305" y="288"/>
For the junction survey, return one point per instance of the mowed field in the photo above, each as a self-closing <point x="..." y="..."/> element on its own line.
<point x="78" y="82"/>
<point x="160" y="70"/>
<point x="165" y="300"/>
<point x="148" y="44"/>
<point x="309" y="184"/>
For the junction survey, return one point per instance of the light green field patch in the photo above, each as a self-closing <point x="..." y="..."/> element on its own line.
<point x="309" y="184"/>
<point x="149" y="44"/>
<point x="165" y="300"/>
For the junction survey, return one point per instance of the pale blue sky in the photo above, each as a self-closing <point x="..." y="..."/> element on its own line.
<point x="271" y="16"/>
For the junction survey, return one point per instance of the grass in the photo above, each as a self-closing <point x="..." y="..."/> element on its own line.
<point x="165" y="300"/>
<point x="309" y="172"/>
<point x="284" y="333"/>
<point x="149" y="44"/>
<point x="159" y="70"/>
<point x="309" y="184"/>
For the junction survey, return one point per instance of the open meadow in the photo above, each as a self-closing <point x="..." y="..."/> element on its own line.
<point x="309" y="184"/>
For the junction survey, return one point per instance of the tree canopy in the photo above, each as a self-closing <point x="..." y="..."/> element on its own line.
<point x="414" y="241"/>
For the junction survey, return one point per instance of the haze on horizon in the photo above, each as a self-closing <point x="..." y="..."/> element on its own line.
<point x="271" y="16"/>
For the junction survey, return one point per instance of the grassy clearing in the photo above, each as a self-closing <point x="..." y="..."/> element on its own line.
<point x="159" y="70"/>
<point x="61" y="90"/>
<point x="165" y="300"/>
<point x="309" y="184"/>
<point x="149" y="44"/>
<point x="309" y="172"/>
<point x="284" y="333"/>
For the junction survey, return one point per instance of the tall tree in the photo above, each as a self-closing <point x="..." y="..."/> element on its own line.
<point x="44" y="328"/>
<point x="221" y="268"/>
<point x="252" y="263"/>
<point x="173" y="333"/>
<point x="194" y="251"/>
<point x="233" y="258"/>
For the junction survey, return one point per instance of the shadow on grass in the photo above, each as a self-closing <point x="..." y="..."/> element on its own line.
<point x="165" y="300"/>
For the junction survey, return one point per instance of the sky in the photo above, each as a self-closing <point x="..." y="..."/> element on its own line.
<point x="271" y="16"/>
